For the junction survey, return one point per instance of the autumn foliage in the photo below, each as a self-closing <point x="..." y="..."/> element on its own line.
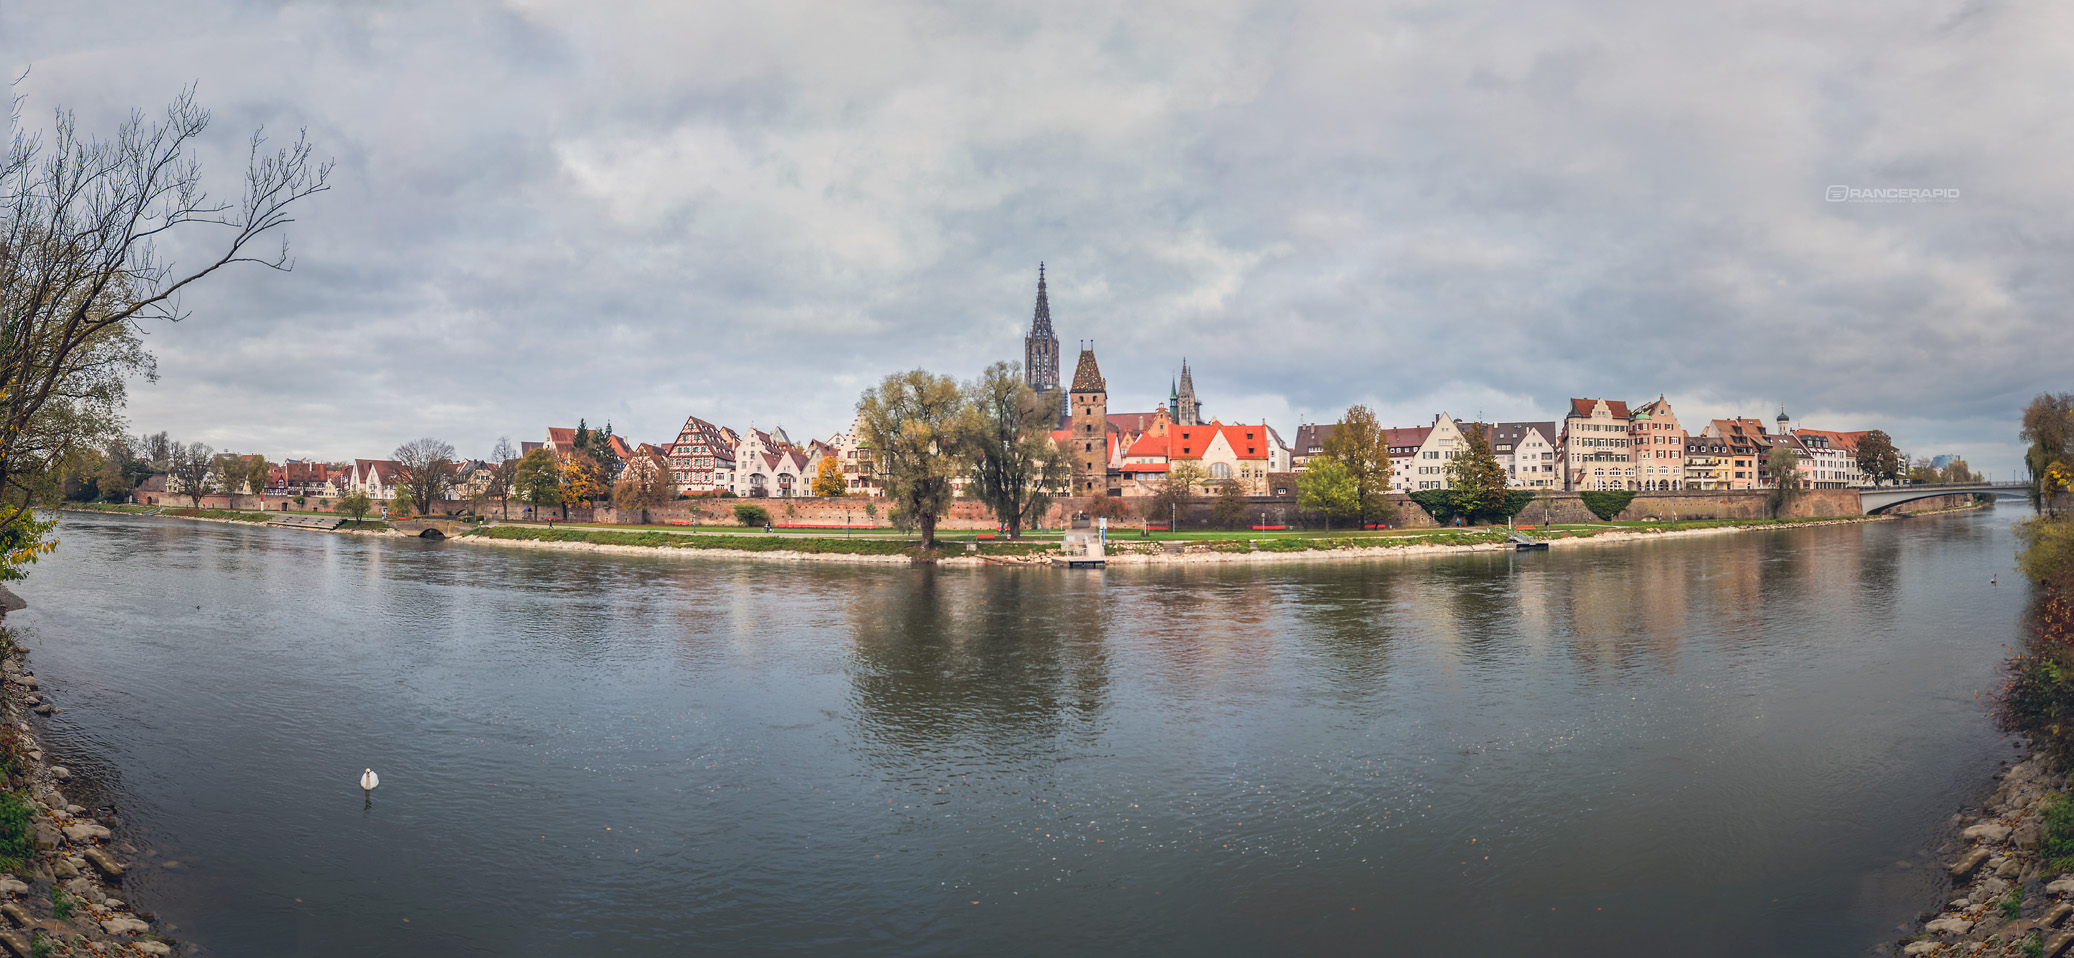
<point x="2037" y="694"/>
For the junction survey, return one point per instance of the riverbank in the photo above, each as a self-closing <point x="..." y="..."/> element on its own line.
<point x="63" y="863"/>
<point x="1121" y="551"/>
<point x="2011" y="893"/>
<point x="2012" y="858"/>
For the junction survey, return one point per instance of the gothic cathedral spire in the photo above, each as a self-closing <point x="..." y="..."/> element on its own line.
<point x="1041" y="346"/>
<point x="1187" y="411"/>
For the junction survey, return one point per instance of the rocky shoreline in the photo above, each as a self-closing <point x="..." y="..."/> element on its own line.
<point x="69" y="895"/>
<point x="2006" y="899"/>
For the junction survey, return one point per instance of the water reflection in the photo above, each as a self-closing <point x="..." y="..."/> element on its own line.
<point x="949" y="663"/>
<point x="1490" y="753"/>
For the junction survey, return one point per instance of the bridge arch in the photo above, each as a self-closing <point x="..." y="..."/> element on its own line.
<point x="1878" y="500"/>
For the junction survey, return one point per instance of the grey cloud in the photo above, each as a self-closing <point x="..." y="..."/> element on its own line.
<point x="745" y="212"/>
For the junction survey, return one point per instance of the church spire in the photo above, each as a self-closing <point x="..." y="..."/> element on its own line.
<point x="1041" y="346"/>
<point x="1187" y="410"/>
<point x="1040" y="324"/>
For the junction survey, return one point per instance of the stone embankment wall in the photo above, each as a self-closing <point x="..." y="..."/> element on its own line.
<point x="2003" y="891"/>
<point x="861" y="513"/>
<point x="77" y="859"/>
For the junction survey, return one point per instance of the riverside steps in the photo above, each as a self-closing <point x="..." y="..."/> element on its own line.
<point x="306" y="521"/>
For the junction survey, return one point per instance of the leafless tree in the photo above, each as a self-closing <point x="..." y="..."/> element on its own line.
<point x="156" y="450"/>
<point x="80" y="221"/>
<point x="503" y="467"/>
<point x="188" y="469"/>
<point x="425" y="468"/>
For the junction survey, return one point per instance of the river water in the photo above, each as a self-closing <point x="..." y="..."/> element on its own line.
<point x="1724" y="745"/>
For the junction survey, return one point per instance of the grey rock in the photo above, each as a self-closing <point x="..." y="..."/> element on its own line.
<point x="64" y="869"/>
<point x="88" y="831"/>
<point x="2063" y="885"/>
<point x="2027" y="833"/>
<point x="1988" y="831"/>
<point x="114" y="904"/>
<point x="2008" y="869"/>
<point x="1960" y="905"/>
<point x="153" y="947"/>
<point x="9" y="886"/>
<point x="62" y="774"/>
<point x="45" y="835"/>
<point x="1952" y="925"/>
<point x="1921" y="947"/>
<point x="124" y="926"/>
<point x="43" y="709"/>
<point x="1989" y="888"/>
<point x="28" y="682"/>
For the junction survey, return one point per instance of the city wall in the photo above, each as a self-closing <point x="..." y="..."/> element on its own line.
<point x="861" y="513"/>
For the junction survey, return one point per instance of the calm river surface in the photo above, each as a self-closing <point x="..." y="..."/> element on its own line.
<point x="1728" y="745"/>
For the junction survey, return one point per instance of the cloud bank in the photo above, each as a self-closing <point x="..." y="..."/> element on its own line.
<point x="751" y="212"/>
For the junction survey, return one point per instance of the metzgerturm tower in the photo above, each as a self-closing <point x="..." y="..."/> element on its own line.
<point x="1090" y="427"/>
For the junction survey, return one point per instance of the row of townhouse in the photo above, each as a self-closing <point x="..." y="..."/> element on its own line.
<point x="1419" y="455"/>
<point x="708" y="459"/>
<point x="1606" y="444"/>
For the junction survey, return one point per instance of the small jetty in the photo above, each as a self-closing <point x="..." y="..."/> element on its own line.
<point x="1082" y="546"/>
<point x="1523" y="542"/>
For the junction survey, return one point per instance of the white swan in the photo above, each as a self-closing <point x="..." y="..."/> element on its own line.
<point x="368" y="780"/>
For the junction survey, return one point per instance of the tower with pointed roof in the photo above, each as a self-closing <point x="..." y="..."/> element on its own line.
<point x="1041" y="346"/>
<point x="1089" y="430"/>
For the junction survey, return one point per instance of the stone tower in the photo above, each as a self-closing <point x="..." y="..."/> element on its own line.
<point x="1089" y="434"/>
<point x="1187" y="411"/>
<point x="1041" y="347"/>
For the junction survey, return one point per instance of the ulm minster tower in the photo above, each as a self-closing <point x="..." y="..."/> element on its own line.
<point x="1095" y="438"/>
<point x="1041" y="346"/>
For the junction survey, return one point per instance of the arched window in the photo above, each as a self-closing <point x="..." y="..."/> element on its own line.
<point x="1220" y="470"/>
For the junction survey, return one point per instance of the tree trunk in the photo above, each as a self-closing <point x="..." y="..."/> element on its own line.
<point x="928" y="531"/>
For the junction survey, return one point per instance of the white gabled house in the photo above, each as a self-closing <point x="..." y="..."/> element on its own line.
<point x="377" y="478"/>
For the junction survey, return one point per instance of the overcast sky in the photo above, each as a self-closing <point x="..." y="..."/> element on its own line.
<point x="750" y="212"/>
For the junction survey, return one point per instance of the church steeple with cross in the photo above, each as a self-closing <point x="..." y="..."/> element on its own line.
<point x="1041" y="346"/>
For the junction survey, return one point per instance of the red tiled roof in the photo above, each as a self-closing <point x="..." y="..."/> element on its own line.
<point x="1582" y="408"/>
<point x="1246" y="442"/>
<point x="1414" y="436"/>
<point x="1148" y="446"/>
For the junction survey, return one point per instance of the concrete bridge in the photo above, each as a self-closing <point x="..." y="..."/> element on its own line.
<point x="1875" y="501"/>
<point x="426" y="527"/>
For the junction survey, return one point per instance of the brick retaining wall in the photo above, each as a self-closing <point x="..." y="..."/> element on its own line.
<point x="836" y="512"/>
